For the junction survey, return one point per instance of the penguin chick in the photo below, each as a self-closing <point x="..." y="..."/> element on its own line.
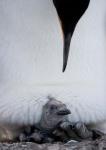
<point x="54" y="112"/>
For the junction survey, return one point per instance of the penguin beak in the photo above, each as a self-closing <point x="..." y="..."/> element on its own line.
<point x="69" y="12"/>
<point x="63" y="112"/>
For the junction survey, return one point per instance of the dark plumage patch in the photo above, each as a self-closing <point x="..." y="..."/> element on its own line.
<point x="69" y="12"/>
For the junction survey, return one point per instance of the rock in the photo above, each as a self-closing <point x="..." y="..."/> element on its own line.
<point x="99" y="144"/>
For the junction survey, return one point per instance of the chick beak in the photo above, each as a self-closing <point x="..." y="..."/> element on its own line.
<point x="64" y="111"/>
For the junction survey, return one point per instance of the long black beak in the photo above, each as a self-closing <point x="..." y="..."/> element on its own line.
<point x="69" y="12"/>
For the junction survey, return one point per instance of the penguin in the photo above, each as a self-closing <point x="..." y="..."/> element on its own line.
<point x="54" y="126"/>
<point x="54" y="113"/>
<point x="31" y="43"/>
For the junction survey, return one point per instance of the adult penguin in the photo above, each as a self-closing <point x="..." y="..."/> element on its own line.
<point x="31" y="58"/>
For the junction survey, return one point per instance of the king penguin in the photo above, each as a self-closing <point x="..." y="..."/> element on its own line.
<point x="32" y="36"/>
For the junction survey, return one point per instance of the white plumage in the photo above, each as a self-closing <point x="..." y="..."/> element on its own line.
<point x="31" y="63"/>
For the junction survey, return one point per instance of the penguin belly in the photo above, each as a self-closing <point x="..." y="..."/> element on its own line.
<point x="31" y="62"/>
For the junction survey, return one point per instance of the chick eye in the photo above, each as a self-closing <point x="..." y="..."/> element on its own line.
<point x="53" y="107"/>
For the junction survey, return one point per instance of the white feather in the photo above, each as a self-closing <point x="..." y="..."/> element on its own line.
<point x="31" y="62"/>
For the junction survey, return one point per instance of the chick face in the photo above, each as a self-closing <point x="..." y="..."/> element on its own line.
<point x="54" y="112"/>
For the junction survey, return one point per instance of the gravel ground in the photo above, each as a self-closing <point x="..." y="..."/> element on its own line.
<point x="99" y="144"/>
